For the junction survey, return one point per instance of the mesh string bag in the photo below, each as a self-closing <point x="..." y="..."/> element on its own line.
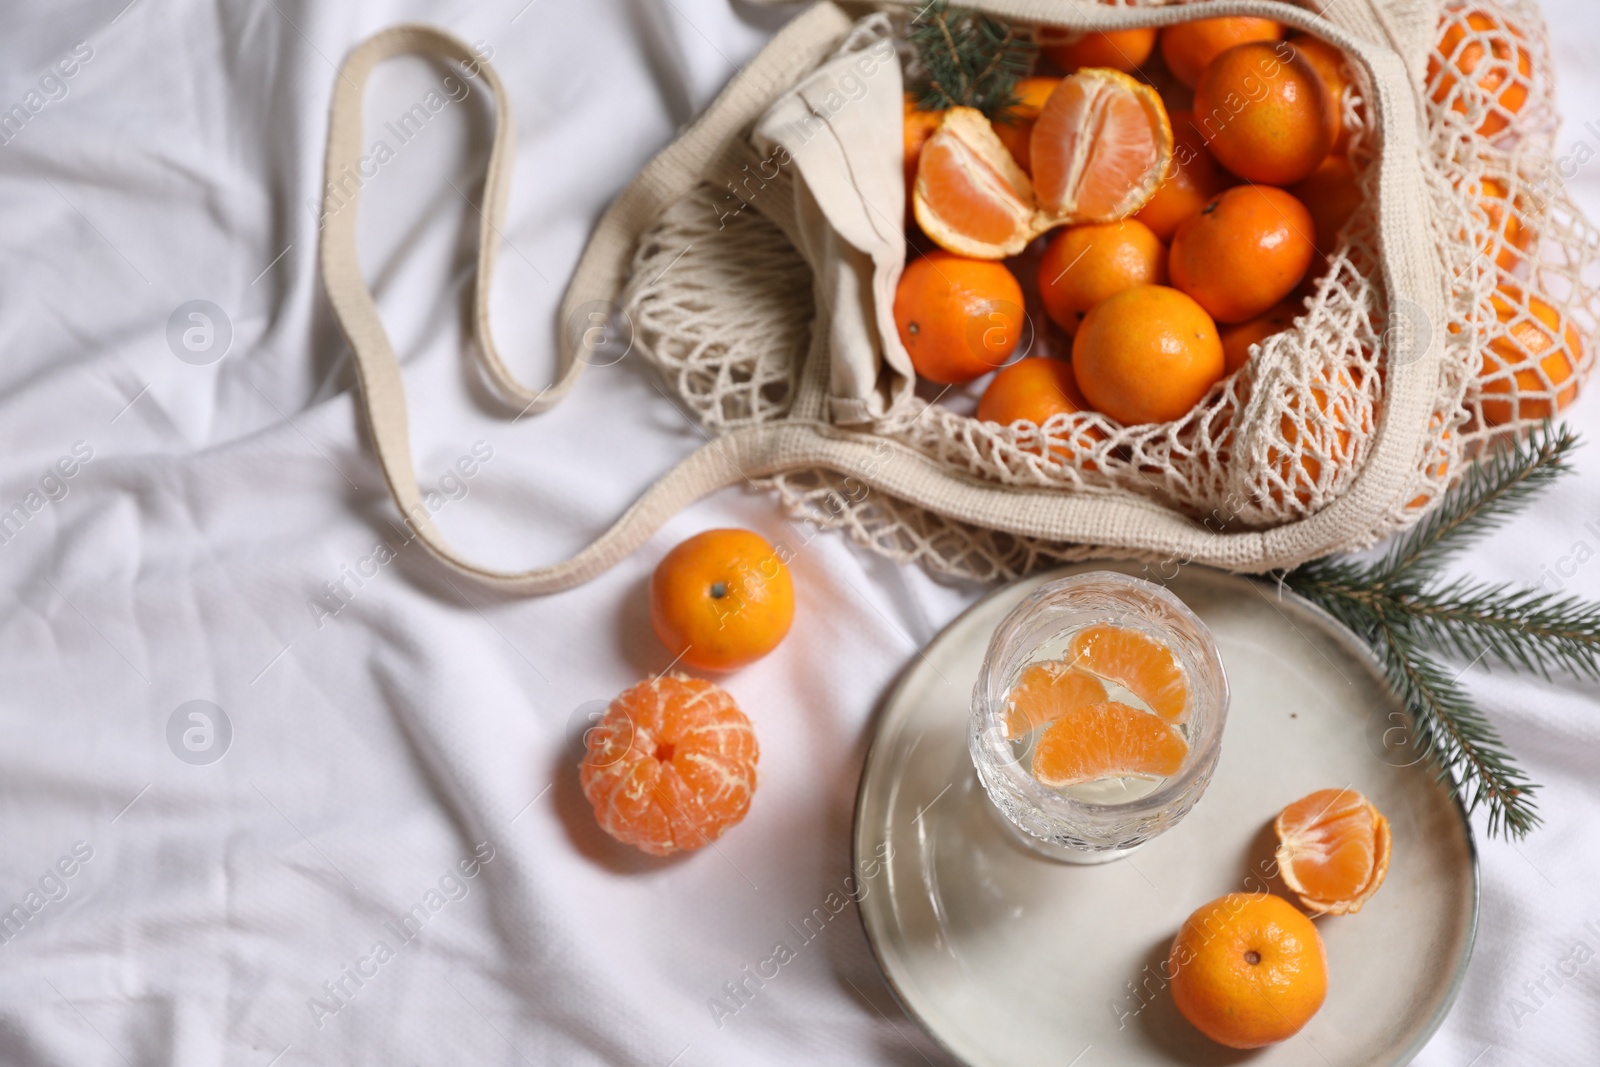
<point x="755" y="260"/>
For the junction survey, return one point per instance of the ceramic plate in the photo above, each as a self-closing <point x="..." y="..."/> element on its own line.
<point x="1008" y="958"/>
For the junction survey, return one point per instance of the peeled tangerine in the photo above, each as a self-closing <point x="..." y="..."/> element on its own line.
<point x="1333" y="850"/>
<point x="670" y="766"/>
<point x="1101" y="146"/>
<point x="1098" y="150"/>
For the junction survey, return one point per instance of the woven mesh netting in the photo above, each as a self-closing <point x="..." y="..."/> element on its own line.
<point x="1275" y="441"/>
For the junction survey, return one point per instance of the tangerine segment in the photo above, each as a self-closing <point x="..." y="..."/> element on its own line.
<point x="971" y="197"/>
<point x="1333" y="850"/>
<point x="1142" y="665"/>
<point x="1100" y="147"/>
<point x="1107" y="740"/>
<point x="1248" y="970"/>
<point x="1046" y="691"/>
<point x="670" y="766"/>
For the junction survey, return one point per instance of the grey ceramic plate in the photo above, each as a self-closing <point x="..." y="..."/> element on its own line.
<point x="1007" y="958"/>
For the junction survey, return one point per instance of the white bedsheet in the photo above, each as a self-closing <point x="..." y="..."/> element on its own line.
<point x="412" y="752"/>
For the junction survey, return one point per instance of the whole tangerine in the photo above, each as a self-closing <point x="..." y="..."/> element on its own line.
<point x="721" y="599"/>
<point x="1192" y="179"/>
<point x="1244" y="251"/>
<point x="1331" y="64"/>
<point x="1327" y="441"/>
<point x="670" y="766"/>
<point x="1488" y="69"/>
<point x="1237" y="339"/>
<point x="958" y="318"/>
<point x="1332" y="195"/>
<point x="1031" y="390"/>
<point x="1189" y="47"/>
<point x="1248" y="970"/>
<point x="1084" y="265"/>
<point x="1147" y="354"/>
<point x="1265" y="112"/>
<point x="1124" y="50"/>
<point x="1536" y="347"/>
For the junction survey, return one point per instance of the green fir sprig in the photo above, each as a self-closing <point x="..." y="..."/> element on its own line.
<point x="966" y="59"/>
<point x="1409" y="613"/>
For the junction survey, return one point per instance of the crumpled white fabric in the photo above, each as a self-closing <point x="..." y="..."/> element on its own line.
<point x="391" y="862"/>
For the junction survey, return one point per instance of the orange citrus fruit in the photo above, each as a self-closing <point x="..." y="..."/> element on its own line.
<point x="1244" y="251"/>
<point x="1435" y="469"/>
<point x="1507" y="238"/>
<point x="1329" y="439"/>
<point x="1329" y="62"/>
<point x="917" y="127"/>
<point x="1031" y="390"/>
<point x="1045" y="692"/>
<point x="1192" y="179"/>
<point x="1248" y="970"/>
<point x="1536" y="347"/>
<point x="1124" y="50"/>
<point x="1140" y="664"/>
<point x="1486" y="69"/>
<point x="1331" y="194"/>
<point x="721" y="599"/>
<point x="1085" y="264"/>
<point x="1333" y="850"/>
<point x="1237" y="339"/>
<point x="670" y="766"/>
<point x="1265" y="112"/>
<point x="1100" y="147"/>
<point x="1147" y="354"/>
<point x="1015" y="126"/>
<point x="1107" y="740"/>
<point x="1189" y="47"/>
<point x="958" y="318"/>
<point x="970" y="196"/>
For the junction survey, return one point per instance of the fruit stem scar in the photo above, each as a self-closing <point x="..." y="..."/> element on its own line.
<point x="719" y="590"/>
<point x="1252" y="957"/>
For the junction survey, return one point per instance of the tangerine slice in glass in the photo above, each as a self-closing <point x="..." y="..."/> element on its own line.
<point x="971" y="197"/>
<point x="1107" y="740"/>
<point x="1100" y="148"/>
<point x="670" y="766"/>
<point x="1045" y="692"/>
<point x="1140" y="664"/>
<point x="1333" y="850"/>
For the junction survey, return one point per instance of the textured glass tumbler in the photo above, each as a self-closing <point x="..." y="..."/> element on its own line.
<point x="1051" y="822"/>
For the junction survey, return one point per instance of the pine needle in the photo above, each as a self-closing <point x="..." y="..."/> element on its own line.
<point x="1405" y="610"/>
<point x="966" y="59"/>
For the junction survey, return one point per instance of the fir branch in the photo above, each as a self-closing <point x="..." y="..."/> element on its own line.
<point x="1402" y="608"/>
<point x="1455" y="734"/>
<point x="1490" y="492"/>
<point x="966" y="59"/>
<point x="1525" y="629"/>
